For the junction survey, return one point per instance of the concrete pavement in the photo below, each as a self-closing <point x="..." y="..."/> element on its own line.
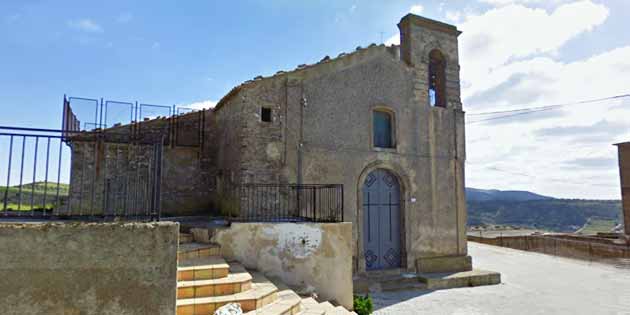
<point x="532" y="284"/>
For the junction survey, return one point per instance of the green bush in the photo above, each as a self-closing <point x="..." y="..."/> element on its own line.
<point x="363" y="305"/>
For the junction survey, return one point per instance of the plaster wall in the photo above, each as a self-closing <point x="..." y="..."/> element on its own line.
<point x="85" y="268"/>
<point x="311" y="256"/>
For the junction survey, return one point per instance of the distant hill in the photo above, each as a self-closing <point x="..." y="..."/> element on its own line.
<point x="527" y="209"/>
<point x="38" y="190"/>
<point x="474" y="194"/>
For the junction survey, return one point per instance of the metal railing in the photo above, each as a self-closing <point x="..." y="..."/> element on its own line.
<point x="182" y="126"/>
<point x="66" y="174"/>
<point x="281" y="202"/>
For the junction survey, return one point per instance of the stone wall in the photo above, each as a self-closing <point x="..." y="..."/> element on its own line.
<point x="120" y="167"/>
<point x="314" y="257"/>
<point x="561" y="246"/>
<point x="88" y="268"/>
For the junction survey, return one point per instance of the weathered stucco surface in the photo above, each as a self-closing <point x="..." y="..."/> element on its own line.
<point x="85" y="268"/>
<point x="318" y="255"/>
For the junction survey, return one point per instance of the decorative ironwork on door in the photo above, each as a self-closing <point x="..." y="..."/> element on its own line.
<point x="381" y="220"/>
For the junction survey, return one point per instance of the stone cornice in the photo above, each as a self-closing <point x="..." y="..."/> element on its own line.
<point x="428" y="23"/>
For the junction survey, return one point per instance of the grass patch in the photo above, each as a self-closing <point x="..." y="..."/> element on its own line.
<point x="36" y="191"/>
<point x="363" y="305"/>
<point x="26" y="206"/>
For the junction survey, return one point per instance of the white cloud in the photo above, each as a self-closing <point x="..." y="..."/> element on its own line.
<point x="395" y="39"/>
<point x="565" y="152"/>
<point x="506" y="2"/>
<point x="523" y="32"/>
<point x="201" y="105"/>
<point x="416" y="9"/>
<point x="85" y="25"/>
<point x="454" y="16"/>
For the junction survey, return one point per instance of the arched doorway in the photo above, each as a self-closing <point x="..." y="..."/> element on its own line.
<point x="381" y="220"/>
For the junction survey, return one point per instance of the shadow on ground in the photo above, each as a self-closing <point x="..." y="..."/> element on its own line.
<point x="385" y="299"/>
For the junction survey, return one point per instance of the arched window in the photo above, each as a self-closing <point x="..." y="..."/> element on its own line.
<point x="382" y="129"/>
<point x="437" y="79"/>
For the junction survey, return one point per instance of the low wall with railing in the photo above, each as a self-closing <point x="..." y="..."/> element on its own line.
<point x="256" y="202"/>
<point x="565" y="246"/>
<point x="88" y="268"/>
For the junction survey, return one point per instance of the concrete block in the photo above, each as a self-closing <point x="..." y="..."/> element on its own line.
<point x="449" y="280"/>
<point x="200" y="235"/>
<point x="88" y="268"/>
<point x="444" y="264"/>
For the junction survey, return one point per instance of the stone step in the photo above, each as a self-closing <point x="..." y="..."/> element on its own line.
<point x="309" y="302"/>
<point x="311" y="307"/>
<point x="327" y="306"/>
<point x="340" y="310"/>
<point x="185" y="238"/>
<point x="387" y="283"/>
<point x="448" y="280"/>
<point x="202" y="268"/>
<point x="238" y="280"/>
<point x="195" y="250"/>
<point x="288" y="303"/>
<point x="262" y="293"/>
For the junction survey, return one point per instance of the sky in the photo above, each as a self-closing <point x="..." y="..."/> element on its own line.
<point x="513" y="54"/>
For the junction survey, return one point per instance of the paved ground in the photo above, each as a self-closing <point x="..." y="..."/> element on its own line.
<point x="532" y="284"/>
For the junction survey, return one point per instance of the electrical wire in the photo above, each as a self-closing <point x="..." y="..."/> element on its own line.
<point x="537" y="109"/>
<point x="547" y="107"/>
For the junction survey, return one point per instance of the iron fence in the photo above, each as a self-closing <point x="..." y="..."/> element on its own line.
<point x="68" y="174"/>
<point x="281" y="202"/>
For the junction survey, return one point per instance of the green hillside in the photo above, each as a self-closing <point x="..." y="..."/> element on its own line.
<point x="595" y="225"/>
<point x="37" y="191"/>
<point x="561" y="215"/>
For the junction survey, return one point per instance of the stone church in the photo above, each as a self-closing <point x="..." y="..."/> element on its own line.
<point x="384" y="121"/>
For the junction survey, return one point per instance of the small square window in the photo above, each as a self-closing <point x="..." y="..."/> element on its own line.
<point x="265" y="114"/>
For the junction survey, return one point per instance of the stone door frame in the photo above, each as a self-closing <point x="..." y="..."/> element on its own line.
<point x="403" y="185"/>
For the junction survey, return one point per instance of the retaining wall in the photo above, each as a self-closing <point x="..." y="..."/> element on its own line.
<point x="88" y="268"/>
<point x="314" y="257"/>
<point x="560" y="246"/>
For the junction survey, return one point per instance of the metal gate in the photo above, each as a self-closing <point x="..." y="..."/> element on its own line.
<point x="381" y="220"/>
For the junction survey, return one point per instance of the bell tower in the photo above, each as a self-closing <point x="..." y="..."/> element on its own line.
<point x="431" y="47"/>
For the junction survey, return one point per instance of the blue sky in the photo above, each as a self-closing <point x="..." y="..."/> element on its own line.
<point x="514" y="53"/>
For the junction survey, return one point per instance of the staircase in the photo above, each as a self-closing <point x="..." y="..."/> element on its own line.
<point x="205" y="282"/>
